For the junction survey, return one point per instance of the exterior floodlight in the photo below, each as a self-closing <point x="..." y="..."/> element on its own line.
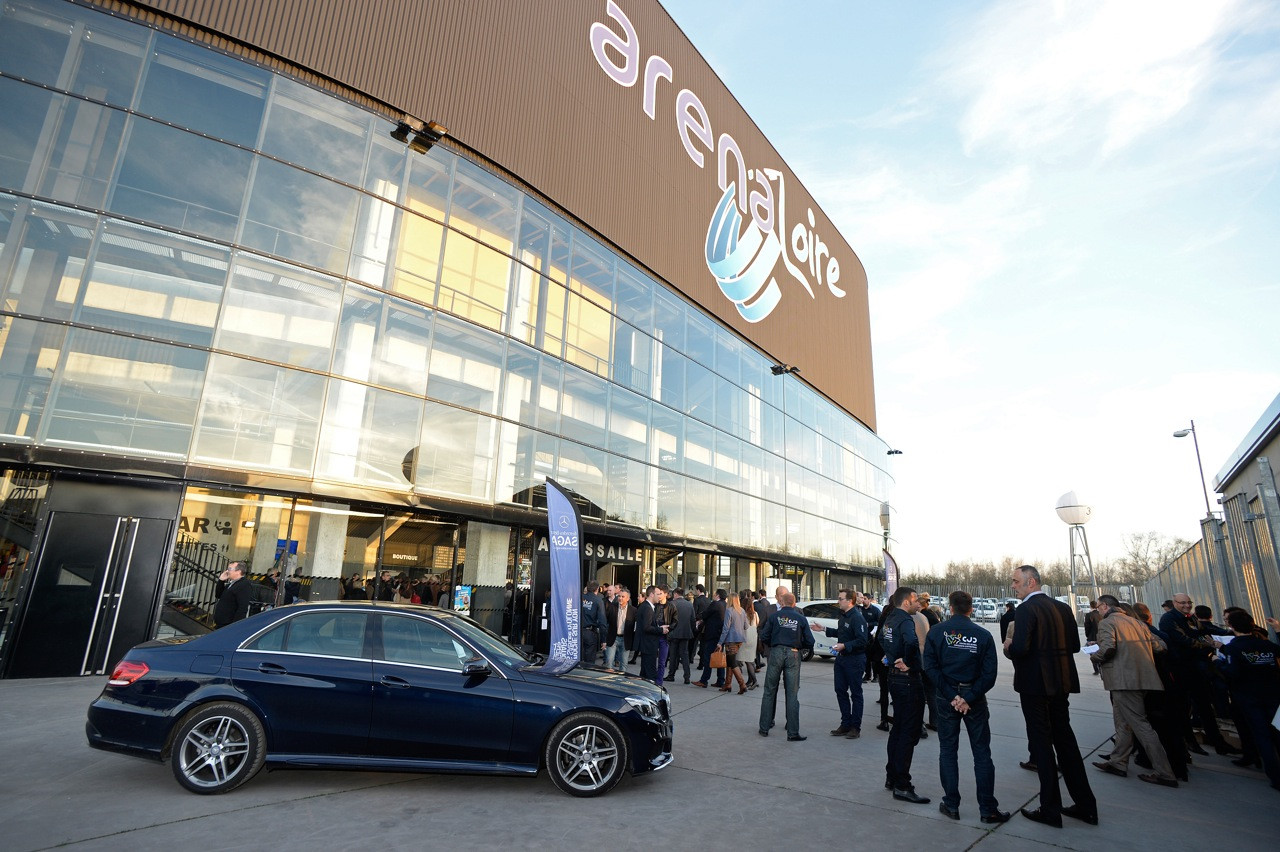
<point x="401" y="133"/>
<point x="783" y="369"/>
<point x="894" y="453"/>
<point x="1182" y="433"/>
<point x="1072" y="511"/>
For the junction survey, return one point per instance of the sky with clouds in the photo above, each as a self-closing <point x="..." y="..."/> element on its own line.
<point x="1068" y="215"/>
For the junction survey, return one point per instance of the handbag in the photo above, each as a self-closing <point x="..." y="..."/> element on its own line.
<point x="718" y="660"/>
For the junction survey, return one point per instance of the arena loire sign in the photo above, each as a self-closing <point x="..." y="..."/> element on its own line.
<point x="744" y="260"/>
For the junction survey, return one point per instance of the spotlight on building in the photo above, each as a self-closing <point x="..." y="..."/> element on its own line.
<point x="783" y="369"/>
<point x="427" y="136"/>
<point x="401" y="133"/>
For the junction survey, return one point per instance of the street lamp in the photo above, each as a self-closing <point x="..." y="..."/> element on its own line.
<point x="884" y="522"/>
<point x="1182" y="433"/>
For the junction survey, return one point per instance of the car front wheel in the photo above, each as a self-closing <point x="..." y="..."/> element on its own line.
<point x="586" y="755"/>
<point x="217" y="748"/>
<point x="806" y="655"/>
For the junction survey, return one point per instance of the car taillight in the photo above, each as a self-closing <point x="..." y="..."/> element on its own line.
<point x="126" y="672"/>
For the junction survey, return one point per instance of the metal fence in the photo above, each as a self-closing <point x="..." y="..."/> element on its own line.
<point x="1233" y="563"/>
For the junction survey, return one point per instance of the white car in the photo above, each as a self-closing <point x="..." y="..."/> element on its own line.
<point x="826" y="613"/>
<point x="985" y="609"/>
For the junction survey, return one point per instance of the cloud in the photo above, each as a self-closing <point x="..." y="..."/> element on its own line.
<point x="1089" y="77"/>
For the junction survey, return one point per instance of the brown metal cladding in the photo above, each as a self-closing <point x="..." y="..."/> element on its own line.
<point x="516" y="81"/>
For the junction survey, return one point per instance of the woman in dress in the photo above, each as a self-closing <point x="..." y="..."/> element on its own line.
<point x="747" y="653"/>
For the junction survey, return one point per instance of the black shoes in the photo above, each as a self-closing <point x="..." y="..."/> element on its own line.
<point x="796" y="738"/>
<point x="1038" y="815"/>
<point x="924" y="734"/>
<point x="1028" y="765"/>
<point x="1077" y="812"/>
<point x="883" y="726"/>
<point x="763" y="733"/>
<point x="841" y="731"/>
<point x="1108" y="768"/>
<point x="1152" y="778"/>
<point x="906" y="794"/>
<point x="853" y="734"/>
<point x="931" y="726"/>
<point x="997" y="817"/>
<point x="1195" y="748"/>
<point x="1224" y="748"/>
<point x="1246" y="762"/>
<point x="948" y="812"/>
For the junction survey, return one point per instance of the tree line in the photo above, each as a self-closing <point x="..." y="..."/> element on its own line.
<point x="1144" y="555"/>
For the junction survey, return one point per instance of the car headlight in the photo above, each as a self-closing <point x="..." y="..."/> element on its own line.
<point x="646" y="707"/>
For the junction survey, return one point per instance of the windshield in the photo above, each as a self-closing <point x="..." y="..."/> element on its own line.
<point x="493" y="645"/>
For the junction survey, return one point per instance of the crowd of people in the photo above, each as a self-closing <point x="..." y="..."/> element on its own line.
<point x="398" y="588"/>
<point x="1169" y="681"/>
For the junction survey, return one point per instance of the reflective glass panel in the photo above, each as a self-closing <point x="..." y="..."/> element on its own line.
<point x="388" y="161"/>
<point x="628" y="481"/>
<point x="121" y="394"/>
<point x="417" y="258"/>
<point x="699" y="450"/>
<point x="628" y="424"/>
<point x="153" y="283"/>
<point x="374" y="236"/>
<point x="473" y="281"/>
<point x="700" y="392"/>
<point x="526" y="296"/>
<point x="699" y="508"/>
<point x="587" y="334"/>
<point x="700" y="344"/>
<point x="466" y="365"/>
<point x="157" y="184"/>
<point x="280" y="313"/>
<point x="369" y="435"/>
<point x="106" y="59"/>
<point x="317" y="131"/>
<point x="668" y="435"/>
<point x="669" y="318"/>
<point x="28" y="357"/>
<point x="669" y="501"/>
<point x="484" y="207"/>
<point x="526" y="457"/>
<point x="456" y="453"/>
<point x="584" y="403"/>
<point x="633" y="298"/>
<point x="670" y="378"/>
<point x="259" y="415"/>
<point x="82" y="140"/>
<point x="299" y="216"/>
<point x="582" y="470"/>
<point x="204" y="90"/>
<point x="383" y="340"/>
<point x="34" y="37"/>
<point x="52" y="245"/>
<point x="25" y="109"/>
<point x="632" y="357"/>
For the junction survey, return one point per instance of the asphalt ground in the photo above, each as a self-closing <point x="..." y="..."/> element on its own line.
<point x="728" y="788"/>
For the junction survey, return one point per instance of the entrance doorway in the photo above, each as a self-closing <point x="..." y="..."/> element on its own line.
<point x="95" y="585"/>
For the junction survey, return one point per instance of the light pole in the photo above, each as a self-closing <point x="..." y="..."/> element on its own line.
<point x="1182" y="433"/>
<point x="884" y="522"/>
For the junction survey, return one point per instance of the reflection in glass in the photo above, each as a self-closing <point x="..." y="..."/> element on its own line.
<point x="194" y="87"/>
<point x="105" y="62"/>
<point x="368" y="435"/>
<point x="484" y="207"/>
<point x="259" y="416"/>
<point x="126" y="395"/>
<point x="466" y="365"/>
<point x="583" y="407"/>
<point x="316" y="131"/>
<point x="587" y="334"/>
<point x="299" y="216"/>
<point x="628" y="424"/>
<point x="24" y="109"/>
<point x="155" y="284"/>
<point x="375" y="230"/>
<point x="582" y="470"/>
<point x="473" y="281"/>
<point x="28" y="357"/>
<point x="52" y="244"/>
<point x="280" y="313"/>
<point x="82" y="140"/>
<point x="456" y="454"/>
<point x="383" y="340"/>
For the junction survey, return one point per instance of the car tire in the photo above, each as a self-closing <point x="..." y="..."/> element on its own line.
<point x="806" y="655"/>
<point x="217" y="748"/>
<point x="586" y="755"/>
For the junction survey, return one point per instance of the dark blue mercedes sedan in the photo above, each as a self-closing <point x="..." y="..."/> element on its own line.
<point x="374" y="686"/>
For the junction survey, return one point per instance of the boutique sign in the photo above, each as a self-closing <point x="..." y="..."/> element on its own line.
<point x="753" y="241"/>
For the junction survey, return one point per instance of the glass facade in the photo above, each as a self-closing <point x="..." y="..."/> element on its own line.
<point x="206" y="263"/>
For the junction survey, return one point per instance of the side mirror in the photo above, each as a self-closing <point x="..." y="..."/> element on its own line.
<point x="476" y="668"/>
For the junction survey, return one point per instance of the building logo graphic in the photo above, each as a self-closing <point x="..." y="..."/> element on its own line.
<point x="742" y="255"/>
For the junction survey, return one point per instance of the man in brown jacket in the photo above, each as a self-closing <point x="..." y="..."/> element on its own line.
<point x="1126" y="658"/>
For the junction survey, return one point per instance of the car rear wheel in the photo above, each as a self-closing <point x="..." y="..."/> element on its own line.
<point x="586" y="755"/>
<point x="217" y="748"/>
<point x="806" y="655"/>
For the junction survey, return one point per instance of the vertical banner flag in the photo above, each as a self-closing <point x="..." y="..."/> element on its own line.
<point x="890" y="575"/>
<point x="564" y="534"/>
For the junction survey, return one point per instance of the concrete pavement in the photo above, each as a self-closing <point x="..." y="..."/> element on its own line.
<point x="727" y="789"/>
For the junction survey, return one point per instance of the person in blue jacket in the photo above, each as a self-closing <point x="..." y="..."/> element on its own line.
<point x="787" y="634"/>
<point x="960" y="661"/>
<point x="852" y="637"/>
<point x="906" y="689"/>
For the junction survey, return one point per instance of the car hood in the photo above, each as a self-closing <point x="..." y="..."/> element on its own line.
<point x="597" y="680"/>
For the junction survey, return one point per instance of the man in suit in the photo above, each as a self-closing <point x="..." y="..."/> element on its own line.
<point x="1044" y="675"/>
<point x="712" y="624"/>
<point x="680" y="636"/>
<point x="622" y="630"/>
<point x="234" y="592"/>
<point x="700" y="604"/>
<point x="650" y="631"/>
<point x="763" y="609"/>
<point x="1126" y="658"/>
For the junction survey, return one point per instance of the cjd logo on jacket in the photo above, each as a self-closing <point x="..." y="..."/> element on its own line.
<point x="742" y="255"/>
<point x="961" y="642"/>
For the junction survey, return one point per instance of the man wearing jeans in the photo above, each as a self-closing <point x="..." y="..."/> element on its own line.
<point x="787" y="633"/>
<point x="960" y="662"/>
<point x="622" y="627"/>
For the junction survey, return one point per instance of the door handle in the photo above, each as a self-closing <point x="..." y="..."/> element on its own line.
<point x="397" y="682"/>
<point x="272" y="668"/>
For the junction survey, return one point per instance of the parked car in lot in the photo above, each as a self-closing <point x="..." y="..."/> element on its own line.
<point x="986" y="609"/>
<point x="358" y="685"/>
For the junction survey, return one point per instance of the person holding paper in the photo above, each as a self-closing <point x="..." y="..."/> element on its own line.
<point x="1254" y="679"/>
<point x="1126" y="658"/>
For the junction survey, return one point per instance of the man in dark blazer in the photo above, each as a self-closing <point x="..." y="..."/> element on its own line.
<point x="763" y="609"/>
<point x="1042" y="646"/>
<point x="712" y="625"/>
<point x="680" y="636"/>
<point x="621" y="615"/>
<point x="234" y="592"/>
<point x="649" y="633"/>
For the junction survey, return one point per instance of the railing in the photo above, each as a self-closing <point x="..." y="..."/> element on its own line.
<point x="193" y="583"/>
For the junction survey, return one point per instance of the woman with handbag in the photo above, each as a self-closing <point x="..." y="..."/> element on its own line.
<point x="732" y="635"/>
<point x="747" y="653"/>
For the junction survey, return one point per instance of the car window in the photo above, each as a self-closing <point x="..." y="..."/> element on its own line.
<point x="822" y="610"/>
<point x="329" y="634"/>
<point x="406" y="639"/>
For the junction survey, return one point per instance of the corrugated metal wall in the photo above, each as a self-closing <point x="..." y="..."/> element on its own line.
<point x="516" y="81"/>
